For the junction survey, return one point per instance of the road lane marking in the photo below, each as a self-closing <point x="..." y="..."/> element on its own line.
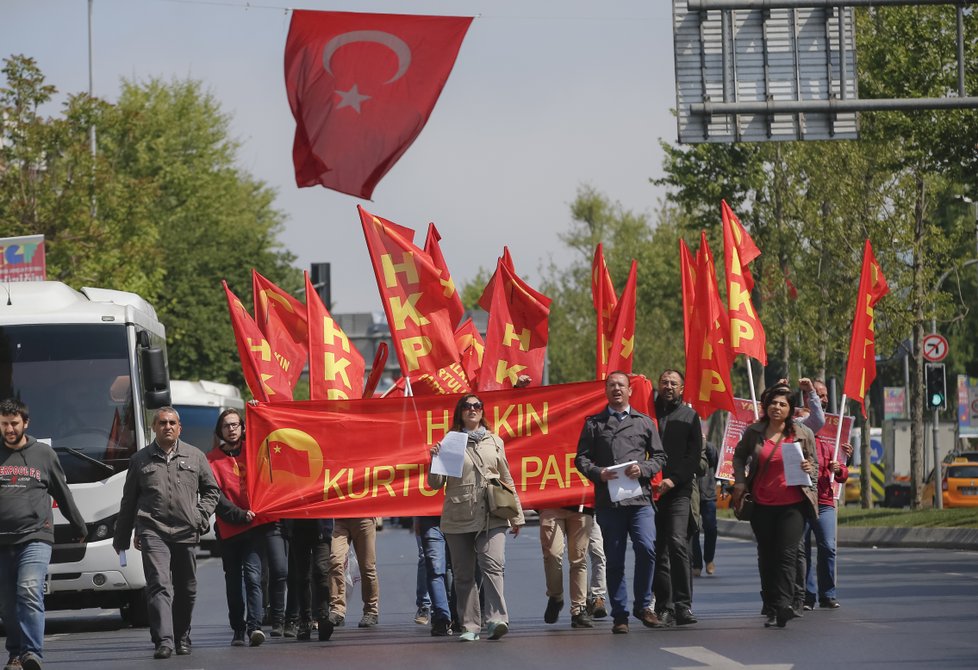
<point x="714" y="661"/>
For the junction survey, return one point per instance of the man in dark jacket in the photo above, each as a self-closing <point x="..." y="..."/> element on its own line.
<point x="30" y="475"/>
<point x="621" y="436"/>
<point x="168" y="496"/>
<point x="682" y="440"/>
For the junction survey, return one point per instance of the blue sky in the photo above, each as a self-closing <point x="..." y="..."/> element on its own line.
<point x="546" y="95"/>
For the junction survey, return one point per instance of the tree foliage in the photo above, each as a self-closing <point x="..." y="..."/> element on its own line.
<point x="162" y="210"/>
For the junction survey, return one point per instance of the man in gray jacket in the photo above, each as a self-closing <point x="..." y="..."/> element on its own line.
<point x="168" y="496"/>
<point x="30" y="475"/>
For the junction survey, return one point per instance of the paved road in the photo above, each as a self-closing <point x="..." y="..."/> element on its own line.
<point x="901" y="608"/>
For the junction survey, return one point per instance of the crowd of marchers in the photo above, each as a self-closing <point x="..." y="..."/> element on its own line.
<point x="654" y="486"/>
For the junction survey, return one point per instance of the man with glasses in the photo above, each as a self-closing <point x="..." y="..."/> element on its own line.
<point x="168" y="497"/>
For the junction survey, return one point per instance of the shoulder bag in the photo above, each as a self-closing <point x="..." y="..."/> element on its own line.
<point x="746" y="508"/>
<point x="501" y="496"/>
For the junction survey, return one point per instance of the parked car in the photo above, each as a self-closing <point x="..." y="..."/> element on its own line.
<point x="959" y="485"/>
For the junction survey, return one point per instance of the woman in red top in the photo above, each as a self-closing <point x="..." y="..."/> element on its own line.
<point x="780" y="510"/>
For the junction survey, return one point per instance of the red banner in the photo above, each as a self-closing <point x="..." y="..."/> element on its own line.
<point x="361" y="458"/>
<point x="282" y="320"/>
<point x="743" y="416"/>
<point x="746" y="332"/>
<point x="361" y="88"/>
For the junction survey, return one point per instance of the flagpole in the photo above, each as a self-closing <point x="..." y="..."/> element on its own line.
<point x="838" y="438"/>
<point x="838" y="430"/>
<point x="753" y="396"/>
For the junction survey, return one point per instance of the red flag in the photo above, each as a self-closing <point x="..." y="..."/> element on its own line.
<point x="708" y="385"/>
<point x="262" y="373"/>
<point x="282" y="320"/>
<point x="471" y="346"/>
<point x="418" y="313"/>
<point x="433" y="249"/>
<point x="861" y="368"/>
<point x="336" y="368"/>
<point x="687" y="269"/>
<point x="604" y="298"/>
<point x="361" y="88"/>
<point x="485" y="300"/>
<point x="746" y="332"/>
<point x="516" y="338"/>
<point x="622" y="341"/>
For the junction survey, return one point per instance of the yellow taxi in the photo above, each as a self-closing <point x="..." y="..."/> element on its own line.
<point x="959" y="485"/>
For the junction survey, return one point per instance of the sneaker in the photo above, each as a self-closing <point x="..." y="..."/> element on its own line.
<point x="325" y="629"/>
<point x="770" y="621"/>
<point x="497" y="629"/>
<point x="711" y="567"/>
<point x="290" y="629"/>
<point x="581" y="620"/>
<point x="13" y="663"/>
<point x="304" y="632"/>
<point x="338" y="620"/>
<point x="552" y="612"/>
<point x="599" y="609"/>
<point x="239" y="639"/>
<point x="829" y="604"/>
<point x="368" y="621"/>
<point x="441" y="628"/>
<point x="256" y="637"/>
<point x="468" y="636"/>
<point x="620" y="627"/>
<point x="423" y="617"/>
<point x="30" y="661"/>
<point x="685" y="617"/>
<point x="278" y="629"/>
<point x="808" y="607"/>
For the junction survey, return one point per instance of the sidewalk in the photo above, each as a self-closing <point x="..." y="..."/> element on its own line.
<point x="934" y="538"/>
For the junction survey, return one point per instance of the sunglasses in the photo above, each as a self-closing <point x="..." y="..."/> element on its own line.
<point x="472" y="405"/>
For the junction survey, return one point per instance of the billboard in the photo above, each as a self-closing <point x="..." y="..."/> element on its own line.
<point x="22" y="258"/>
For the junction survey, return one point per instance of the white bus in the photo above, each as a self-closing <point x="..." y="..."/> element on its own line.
<point x="199" y="404"/>
<point x="91" y="366"/>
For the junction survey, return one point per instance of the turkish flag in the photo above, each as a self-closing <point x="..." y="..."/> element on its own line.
<point x="604" y="298"/>
<point x="361" y="88"/>
<point x="861" y="368"/>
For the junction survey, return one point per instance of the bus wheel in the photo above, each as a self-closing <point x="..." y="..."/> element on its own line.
<point x="134" y="612"/>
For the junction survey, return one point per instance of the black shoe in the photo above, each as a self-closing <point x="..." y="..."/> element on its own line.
<point x="183" y="649"/>
<point x="666" y="619"/>
<point x="829" y="604"/>
<point x="278" y="629"/>
<point x="30" y="661"/>
<point x="770" y="621"/>
<point x="441" y="628"/>
<point x="581" y="620"/>
<point x="239" y="639"/>
<point x="325" y="629"/>
<point x="685" y="617"/>
<point x="163" y="652"/>
<point x="290" y="629"/>
<point x="553" y="610"/>
<point x="784" y="615"/>
<point x="304" y="632"/>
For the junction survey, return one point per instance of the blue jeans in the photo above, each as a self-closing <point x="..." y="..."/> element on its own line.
<point x="617" y="525"/>
<point x="24" y="568"/>
<point x="823" y="577"/>
<point x="421" y="598"/>
<point x="706" y="554"/>
<point x="241" y="556"/>
<point x="436" y="566"/>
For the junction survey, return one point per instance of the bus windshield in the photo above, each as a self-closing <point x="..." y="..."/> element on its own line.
<point x="75" y="381"/>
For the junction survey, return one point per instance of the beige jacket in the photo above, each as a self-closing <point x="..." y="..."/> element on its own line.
<point x="466" y="508"/>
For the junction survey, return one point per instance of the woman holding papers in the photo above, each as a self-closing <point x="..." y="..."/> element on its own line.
<point x="775" y="461"/>
<point x="472" y="532"/>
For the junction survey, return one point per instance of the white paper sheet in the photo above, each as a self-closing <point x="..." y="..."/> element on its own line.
<point x="623" y="487"/>
<point x="451" y="456"/>
<point x="792" y="457"/>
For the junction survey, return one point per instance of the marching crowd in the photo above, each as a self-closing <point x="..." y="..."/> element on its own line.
<point x="654" y="487"/>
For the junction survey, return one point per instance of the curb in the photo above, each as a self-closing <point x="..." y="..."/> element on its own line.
<point x="855" y="536"/>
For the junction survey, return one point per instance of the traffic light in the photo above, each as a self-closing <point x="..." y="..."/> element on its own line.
<point x="936" y="386"/>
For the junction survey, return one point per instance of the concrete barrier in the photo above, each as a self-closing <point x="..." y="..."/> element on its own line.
<point x="856" y="536"/>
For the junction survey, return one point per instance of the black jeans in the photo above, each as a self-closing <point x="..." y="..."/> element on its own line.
<point x="308" y="571"/>
<point x="778" y="530"/>
<point x="276" y="558"/>
<point x="672" y="582"/>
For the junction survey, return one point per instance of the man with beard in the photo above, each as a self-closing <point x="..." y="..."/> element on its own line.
<point x="30" y="475"/>
<point x="682" y="440"/>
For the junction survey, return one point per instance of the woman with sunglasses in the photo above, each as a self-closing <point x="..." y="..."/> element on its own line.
<point x="473" y="534"/>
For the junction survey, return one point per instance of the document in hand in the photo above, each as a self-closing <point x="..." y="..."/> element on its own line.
<point x="792" y="456"/>
<point x="451" y="456"/>
<point x="623" y="487"/>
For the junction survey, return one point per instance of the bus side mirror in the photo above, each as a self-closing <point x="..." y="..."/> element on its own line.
<point x="156" y="383"/>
